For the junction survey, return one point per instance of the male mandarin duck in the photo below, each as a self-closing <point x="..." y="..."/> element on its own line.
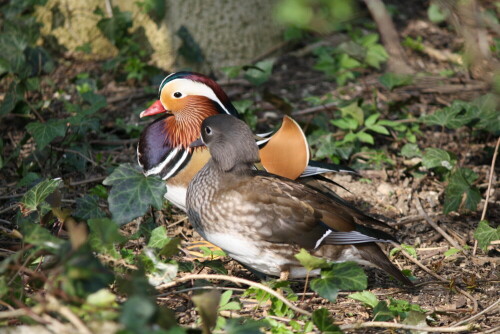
<point x="185" y="100"/>
<point x="262" y="220"/>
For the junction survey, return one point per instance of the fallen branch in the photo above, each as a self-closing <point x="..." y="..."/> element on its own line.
<point x="440" y="278"/>
<point x="490" y="181"/>
<point x="474" y="317"/>
<point x="236" y="280"/>
<point x="324" y="107"/>
<point x="386" y="324"/>
<point x="435" y="226"/>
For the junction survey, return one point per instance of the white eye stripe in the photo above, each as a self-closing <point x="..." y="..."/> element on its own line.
<point x="191" y="87"/>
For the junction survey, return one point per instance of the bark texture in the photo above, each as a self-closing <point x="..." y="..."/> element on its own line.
<point x="229" y="32"/>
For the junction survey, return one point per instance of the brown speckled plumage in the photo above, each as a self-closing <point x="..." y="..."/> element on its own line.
<point x="263" y="220"/>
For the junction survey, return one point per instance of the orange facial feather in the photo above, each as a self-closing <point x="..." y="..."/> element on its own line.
<point x="184" y="127"/>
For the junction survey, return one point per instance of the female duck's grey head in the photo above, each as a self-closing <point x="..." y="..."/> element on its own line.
<point x="230" y="141"/>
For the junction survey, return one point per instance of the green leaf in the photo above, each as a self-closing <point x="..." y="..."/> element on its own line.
<point x="451" y="251"/>
<point x="260" y="73"/>
<point x="409" y="249"/>
<point x="133" y="193"/>
<point x="87" y="207"/>
<point x="346" y="123"/>
<point x="485" y="234"/>
<point x="115" y="28"/>
<point x="207" y="305"/>
<point x="4" y="288"/>
<point x="345" y="276"/>
<point x="366" y="297"/>
<point x="365" y="137"/>
<point x="159" y="237"/>
<point x="393" y="80"/>
<point x="410" y="151"/>
<point x="170" y="248"/>
<point x="44" y="133"/>
<point x="379" y="129"/>
<point x="102" y="298"/>
<point x="137" y="312"/>
<point x="355" y="111"/>
<point x="321" y="318"/>
<point x="39" y="236"/>
<point x="370" y="120"/>
<point x="309" y="261"/>
<point x="381" y="312"/>
<point x="458" y="114"/>
<point x="226" y="304"/>
<point x="487" y="113"/>
<point x="244" y="326"/>
<point x="346" y="62"/>
<point x="437" y="14"/>
<point x="376" y="55"/>
<point x="104" y="234"/>
<point x="436" y="157"/>
<point x="460" y="190"/>
<point x="37" y="195"/>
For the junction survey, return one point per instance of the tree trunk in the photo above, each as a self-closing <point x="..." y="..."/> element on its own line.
<point x="228" y="32"/>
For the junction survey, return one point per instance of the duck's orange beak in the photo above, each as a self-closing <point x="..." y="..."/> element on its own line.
<point x="154" y="109"/>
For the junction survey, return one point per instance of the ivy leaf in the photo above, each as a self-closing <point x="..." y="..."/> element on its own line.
<point x="104" y="234"/>
<point x="159" y="237"/>
<point x="133" y="193"/>
<point x="260" y="73"/>
<point x="87" y="207"/>
<point x="458" y="114"/>
<point x="36" y="235"/>
<point x="44" y="133"/>
<point x="321" y="318"/>
<point x="381" y="312"/>
<point x="485" y="234"/>
<point x="36" y="195"/>
<point x="410" y="151"/>
<point x="366" y="297"/>
<point x="137" y="312"/>
<point x="345" y="276"/>
<point x="355" y="111"/>
<point x="375" y="55"/>
<point x="393" y="80"/>
<point x="487" y="113"/>
<point x="309" y="261"/>
<point x="460" y="190"/>
<point x="436" y="157"/>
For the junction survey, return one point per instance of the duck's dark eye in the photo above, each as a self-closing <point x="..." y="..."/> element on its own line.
<point x="208" y="130"/>
<point x="177" y="94"/>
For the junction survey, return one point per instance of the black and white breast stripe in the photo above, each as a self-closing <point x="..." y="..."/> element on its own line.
<point x="176" y="159"/>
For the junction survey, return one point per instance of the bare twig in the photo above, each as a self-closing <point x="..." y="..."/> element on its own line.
<point x="64" y="150"/>
<point x="195" y="288"/>
<point x="386" y="324"/>
<point x="434" y="225"/>
<point x="490" y="181"/>
<point x="55" y="306"/>
<point x="474" y="317"/>
<point x="440" y="278"/>
<point x="91" y="180"/>
<point x="390" y="37"/>
<point x="236" y="280"/>
<point x="324" y="107"/>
